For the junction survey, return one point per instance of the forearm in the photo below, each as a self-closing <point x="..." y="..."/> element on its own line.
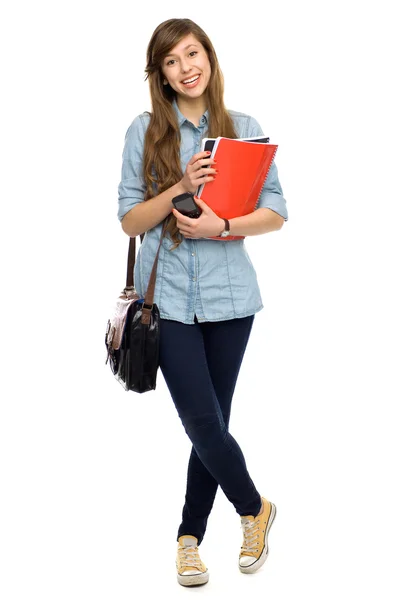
<point x="148" y="214"/>
<point x="262" y="220"/>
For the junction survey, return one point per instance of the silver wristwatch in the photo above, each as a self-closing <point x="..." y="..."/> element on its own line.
<point x="226" y="230"/>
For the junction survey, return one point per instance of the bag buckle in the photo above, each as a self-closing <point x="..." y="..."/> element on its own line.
<point x="146" y="312"/>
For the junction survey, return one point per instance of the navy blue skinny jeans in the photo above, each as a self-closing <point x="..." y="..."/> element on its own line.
<point x="200" y="364"/>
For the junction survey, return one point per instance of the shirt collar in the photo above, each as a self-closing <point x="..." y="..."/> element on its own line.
<point x="182" y="118"/>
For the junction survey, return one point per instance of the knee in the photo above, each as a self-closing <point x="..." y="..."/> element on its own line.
<point x="205" y="431"/>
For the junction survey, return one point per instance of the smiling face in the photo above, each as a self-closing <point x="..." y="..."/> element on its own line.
<point x="187" y="68"/>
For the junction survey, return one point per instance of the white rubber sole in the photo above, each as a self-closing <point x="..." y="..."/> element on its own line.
<point x="187" y="580"/>
<point x="263" y="556"/>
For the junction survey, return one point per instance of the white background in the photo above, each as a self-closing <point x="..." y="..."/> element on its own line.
<point x="93" y="477"/>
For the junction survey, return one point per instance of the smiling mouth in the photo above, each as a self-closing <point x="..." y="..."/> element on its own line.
<point x="191" y="81"/>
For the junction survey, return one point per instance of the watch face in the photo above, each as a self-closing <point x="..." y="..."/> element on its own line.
<point x="224" y="233"/>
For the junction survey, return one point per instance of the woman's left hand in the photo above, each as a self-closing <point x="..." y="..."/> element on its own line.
<point x="207" y="225"/>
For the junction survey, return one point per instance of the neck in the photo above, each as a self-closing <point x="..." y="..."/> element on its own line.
<point x="192" y="109"/>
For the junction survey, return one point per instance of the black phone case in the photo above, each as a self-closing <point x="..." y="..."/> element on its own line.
<point x="181" y="203"/>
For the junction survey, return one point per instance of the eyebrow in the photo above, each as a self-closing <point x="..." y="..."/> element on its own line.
<point x="185" y="48"/>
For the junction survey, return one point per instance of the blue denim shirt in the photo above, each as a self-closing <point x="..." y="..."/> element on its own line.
<point x="214" y="280"/>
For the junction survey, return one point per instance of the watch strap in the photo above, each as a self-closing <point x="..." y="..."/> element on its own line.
<point x="227" y="226"/>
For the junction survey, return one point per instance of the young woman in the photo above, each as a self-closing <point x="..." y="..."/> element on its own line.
<point x="206" y="290"/>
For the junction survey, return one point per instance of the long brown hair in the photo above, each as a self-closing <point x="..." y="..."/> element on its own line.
<point x="161" y="156"/>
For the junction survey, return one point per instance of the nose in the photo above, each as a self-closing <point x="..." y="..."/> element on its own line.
<point x="185" y="67"/>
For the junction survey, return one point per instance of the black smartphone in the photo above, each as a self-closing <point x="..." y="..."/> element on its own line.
<point x="186" y="205"/>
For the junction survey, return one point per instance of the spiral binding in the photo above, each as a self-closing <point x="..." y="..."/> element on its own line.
<point x="266" y="177"/>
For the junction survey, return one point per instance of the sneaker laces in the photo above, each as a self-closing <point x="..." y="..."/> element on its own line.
<point x="251" y="533"/>
<point x="189" y="556"/>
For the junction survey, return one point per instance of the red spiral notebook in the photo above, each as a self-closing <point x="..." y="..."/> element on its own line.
<point x="242" y="170"/>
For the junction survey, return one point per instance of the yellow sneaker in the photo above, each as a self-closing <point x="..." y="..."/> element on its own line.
<point x="254" y="551"/>
<point x="191" y="570"/>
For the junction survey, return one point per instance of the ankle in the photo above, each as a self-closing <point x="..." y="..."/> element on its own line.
<point x="261" y="509"/>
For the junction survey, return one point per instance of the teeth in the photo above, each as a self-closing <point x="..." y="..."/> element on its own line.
<point x="191" y="80"/>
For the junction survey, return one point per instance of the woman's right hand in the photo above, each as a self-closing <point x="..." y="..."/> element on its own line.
<point x="195" y="174"/>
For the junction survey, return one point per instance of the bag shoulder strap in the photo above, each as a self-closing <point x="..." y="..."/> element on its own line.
<point x="149" y="296"/>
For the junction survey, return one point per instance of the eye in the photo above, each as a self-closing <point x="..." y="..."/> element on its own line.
<point x="191" y="54"/>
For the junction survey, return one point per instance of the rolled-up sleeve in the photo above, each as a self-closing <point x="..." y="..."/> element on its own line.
<point x="271" y="194"/>
<point x="132" y="188"/>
